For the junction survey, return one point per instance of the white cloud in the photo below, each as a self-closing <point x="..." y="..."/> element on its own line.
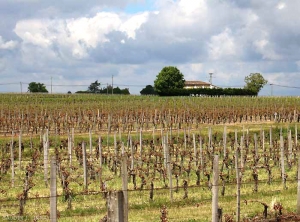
<point x="192" y="71"/>
<point x="34" y="32"/>
<point x="132" y="24"/>
<point x="78" y="35"/>
<point x="263" y="47"/>
<point x="275" y="78"/>
<point x="185" y="13"/>
<point x="222" y="46"/>
<point x="197" y="67"/>
<point x="8" y="44"/>
<point x="192" y="7"/>
<point x="281" y="5"/>
<point x="93" y="30"/>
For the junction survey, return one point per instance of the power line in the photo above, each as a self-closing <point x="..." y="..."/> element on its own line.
<point x="284" y="86"/>
<point x="9" y="83"/>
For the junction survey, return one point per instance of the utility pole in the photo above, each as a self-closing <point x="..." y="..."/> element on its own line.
<point x="21" y="87"/>
<point x="51" y="84"/>
<point x="210" y="78"/>
<point x="112" y="84"/>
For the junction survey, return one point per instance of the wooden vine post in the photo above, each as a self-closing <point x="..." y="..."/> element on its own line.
<point x="153" y="135"/>
<point x="242" y="152"/>
<point x="263" y="145"/>
<point x="282" y="162"/>
<point x="235" y="140"/>
<point x="255" y="149"/>
<point x="296" y="135"/>
<point x="70" y="149"/>
<point x="224" y="140"/>
<point x="109" y="124"/>
<point x="215" y="189"/>
<point x="100" y="158"/>
<point x="132" y="154"/>
<point x="73" y="137"/>
<point x="116" y="152"/>
<point x="201" y="154"/>
<point x="85" y="182"/>
<point x="12" y="160"/>
<point x="195" y="151"/>
<point x="115" y="206"/>
<point x="90" y="142"/>
<point x="168" y="156"/>
<point x="20" y="149"/>
<point x="165" y="151"/>
<point x="125" y="186"/>
<point x="100" y="151"/>
<point x="53" y="191"/>
<point x="247" y="137"/>
<point x="141" y="145"/>
<point x="209" y="137"/>
<point x="290" y="145"/>
<point x="45" y="146"/>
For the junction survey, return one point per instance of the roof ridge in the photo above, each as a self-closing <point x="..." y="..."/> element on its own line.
<point x="196" y="81"/>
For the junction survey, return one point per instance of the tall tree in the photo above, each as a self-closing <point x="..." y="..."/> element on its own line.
<point x="34" y="87"/>
<point x="169" y="77"/>
<point x="255" y="82"/>
<point x="94" y="87"/>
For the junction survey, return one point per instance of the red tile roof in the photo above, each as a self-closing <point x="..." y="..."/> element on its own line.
<point x="196" y="83"/>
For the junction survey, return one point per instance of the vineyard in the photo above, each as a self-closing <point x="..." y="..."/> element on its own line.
<point x="175" y="159"/>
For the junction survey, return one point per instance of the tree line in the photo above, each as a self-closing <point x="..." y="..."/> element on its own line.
<point x="95" y="87"/>
<point x="170" y="82"/>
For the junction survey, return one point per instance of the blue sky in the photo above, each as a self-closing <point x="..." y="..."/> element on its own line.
<point x="78" y="42"/>
<point x="147" y="5"/>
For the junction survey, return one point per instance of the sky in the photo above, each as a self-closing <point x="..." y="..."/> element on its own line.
<point x="74" y="43"/>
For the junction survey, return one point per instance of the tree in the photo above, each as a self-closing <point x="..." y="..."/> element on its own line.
<point x="169" y="78"/>
<point x="125" y="91"/>
<point x="148" y="90"/>
<point x="34" y="87"/>
<point x="255" y="82"/>
<point x="117" y="90"/>
<point x="94" y="87"/>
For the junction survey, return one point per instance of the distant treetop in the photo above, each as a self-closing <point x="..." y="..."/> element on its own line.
<point x="35" y="87"/>
<point x="255" y="82"/>
<point x="169" y="78"/>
